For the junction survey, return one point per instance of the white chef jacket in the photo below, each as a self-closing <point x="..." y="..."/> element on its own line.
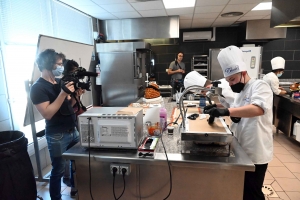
<point x="273" y="82"/>
<point x="255" y="134"/>
<point x="227" y="93"/>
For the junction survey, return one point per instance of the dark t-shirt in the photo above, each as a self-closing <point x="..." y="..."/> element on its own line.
<point x="64" y="119"/>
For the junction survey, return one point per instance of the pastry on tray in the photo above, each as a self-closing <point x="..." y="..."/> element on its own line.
<point x="152" y="91"/>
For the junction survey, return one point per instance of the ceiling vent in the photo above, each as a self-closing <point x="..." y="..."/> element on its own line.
<point x="199" y="36"/>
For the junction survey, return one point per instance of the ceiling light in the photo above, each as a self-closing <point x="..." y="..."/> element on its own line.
<point x="263" y="6"/>
<point x="232" y="14"/>
<point x="179" y="3"/>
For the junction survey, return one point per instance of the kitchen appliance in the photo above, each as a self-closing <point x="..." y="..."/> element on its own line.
<point x="111" y="127"/>
<point x="252" y="58"/>
<point x="123" y="71"/>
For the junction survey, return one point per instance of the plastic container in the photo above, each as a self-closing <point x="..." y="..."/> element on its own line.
<point x="163" y="118"/>
<point x="296" y="130"/>
<point x="202" y="101"/>
<point x="297" y="95"/>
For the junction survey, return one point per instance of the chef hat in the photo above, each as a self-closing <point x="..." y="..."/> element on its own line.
<point x="194" y="78"/>
<point x="231" y="61"/>
<point x="277" y="63"/>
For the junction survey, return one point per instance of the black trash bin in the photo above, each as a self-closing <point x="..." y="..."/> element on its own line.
<point x="17" y="180"/>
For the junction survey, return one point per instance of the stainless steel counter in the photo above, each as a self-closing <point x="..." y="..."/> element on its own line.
<point x="193" y="177"/>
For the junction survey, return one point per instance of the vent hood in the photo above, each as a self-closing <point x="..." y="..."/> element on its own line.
<point x="285" y="13"/>
<point x="141" y="28"/>
<point x="260" y="31"/>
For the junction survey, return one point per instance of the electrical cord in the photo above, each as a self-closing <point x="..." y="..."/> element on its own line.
<point x="114" y="175"/>
<point x="89" y="141"/>
<point x="123" y="173"/>
<point x="169" y="165"/>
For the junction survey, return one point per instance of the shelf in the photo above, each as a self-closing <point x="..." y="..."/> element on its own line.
<point x="200" y="70"/>
<point x="200" y="64"/>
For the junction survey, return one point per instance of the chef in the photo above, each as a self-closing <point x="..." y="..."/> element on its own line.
<point x="271" y="78"/>
<point x="253" y="104"/>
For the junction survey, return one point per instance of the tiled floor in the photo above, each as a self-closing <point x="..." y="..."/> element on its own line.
<point x="283" y="173"/>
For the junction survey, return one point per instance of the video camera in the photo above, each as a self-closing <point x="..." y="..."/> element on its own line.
<point x="77" y="78"/>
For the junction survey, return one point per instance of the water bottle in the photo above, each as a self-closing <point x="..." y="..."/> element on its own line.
<point x="98" y="78"/>
<point x="163" y="118"/>
<point x="202" y="102"/>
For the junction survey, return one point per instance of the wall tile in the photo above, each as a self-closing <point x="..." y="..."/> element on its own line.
<point x="292" y="65"/>
<point x="287" y="74"/>
<point x="292" y="45"/>
<point x="297" y="55"/>
<point x="173" y="49"/>
<point x="267" y="55"/>
<point x="266" y="65"/>
<point x="291" y="33"/>
<point x="165" y="58"/>
<point x="295" y="74"/>
<point x="162" y="49"/>
<point x="274" y="45"/>
<point x="287" y="55"/>
<point x="298" y="34"/>
<point x="161" y="67"/>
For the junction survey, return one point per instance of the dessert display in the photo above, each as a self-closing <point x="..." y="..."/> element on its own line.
<point x="295" y="87"/>
<point x="152" y="91"/>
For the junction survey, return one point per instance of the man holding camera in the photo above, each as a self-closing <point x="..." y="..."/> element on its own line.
<point x="50" y="98"/>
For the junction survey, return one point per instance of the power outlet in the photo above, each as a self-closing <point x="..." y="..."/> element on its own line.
<point x="114" y="165"/>
<point x="126" y="167"/>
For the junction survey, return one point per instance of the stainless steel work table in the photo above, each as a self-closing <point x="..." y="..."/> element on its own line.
<point x="193" y="177"/>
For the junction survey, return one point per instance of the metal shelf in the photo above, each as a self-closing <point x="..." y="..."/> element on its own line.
<point x="200" y="61"/>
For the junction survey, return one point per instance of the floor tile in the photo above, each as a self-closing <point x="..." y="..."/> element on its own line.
<point x="275" y="163"/>
<point x="276" y="187"/>
<point x="293" y="167"/>
<point x="276" y="144"/>
<point x="293" y="195"/>
<point x="287" y="158"/>
<point x="281" y="150"/>
<point x="269" y="176"/>
<point x="283" y="196"/>
<point x="268" y="181"/>
<point x="289" y="184"/>
<point x="280" y="172"/>
<point x="296" y="154"/>
<point x="297" y="175"/>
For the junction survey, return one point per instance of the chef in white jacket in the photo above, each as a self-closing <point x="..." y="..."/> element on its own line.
<point x="278" y="64"/>
<point x="253" y="104"/>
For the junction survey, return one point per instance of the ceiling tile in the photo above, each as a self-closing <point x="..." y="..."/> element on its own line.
<point x="91" y="9"/>
<point x="113" y="8"/>
<point x="189" y="16"/>
<point x="221" y="24"/>
<point x="150" y="5"/>
<point x="182" y="26"/>
<point x="258" y="12"/>
<point x="244" y="1"/>
<point x="103" y="2"/>
<point x="153" y="13"/>
<point x="104" y="16"/>
<point x="206" y="15"/>
<point x="203" y="20"/>
<point x="180" y="11"/>
<point x="211" y="2"/>
<point x="200" y="25"/>
<point x="127" y="15"/>
<point x="208" y="9"/>
<point x="238" y="8"/>
<point x="131" y="1"/>
<point x="250" y="18"/>
<point x="185" y="21"/>
<point x="78" y="2"/>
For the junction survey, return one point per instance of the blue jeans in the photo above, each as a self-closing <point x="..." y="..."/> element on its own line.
<point x="58" y="143"/>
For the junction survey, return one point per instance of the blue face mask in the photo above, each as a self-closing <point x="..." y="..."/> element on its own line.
<point x="58" y="71"/>
<point x="278" y="75"/>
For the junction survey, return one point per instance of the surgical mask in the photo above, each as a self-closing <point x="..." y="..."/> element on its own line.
<point x="278" y="75"/>
<point x="58" y="71"/>
<point x="238" y="87"/>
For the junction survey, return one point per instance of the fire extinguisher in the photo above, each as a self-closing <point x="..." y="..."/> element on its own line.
<point x="98" y="71"/>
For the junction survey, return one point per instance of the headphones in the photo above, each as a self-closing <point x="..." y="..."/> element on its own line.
<point x="46" y="59"/>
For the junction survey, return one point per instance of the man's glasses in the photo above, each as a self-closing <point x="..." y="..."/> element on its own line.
<point x="60" y="64"/>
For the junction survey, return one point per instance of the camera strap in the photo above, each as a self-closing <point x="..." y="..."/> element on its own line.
<point x="65" y="89"/>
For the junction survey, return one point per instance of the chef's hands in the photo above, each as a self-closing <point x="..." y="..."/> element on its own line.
<point x="206" y="108"/>
<point x="180" y="71"/>
<point x="217" y="112"/>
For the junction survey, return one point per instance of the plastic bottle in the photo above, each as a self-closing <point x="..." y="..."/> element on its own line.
<point x="163" y="118"/>
<point x="202" y="102"/>
<point x="98" y="78"/>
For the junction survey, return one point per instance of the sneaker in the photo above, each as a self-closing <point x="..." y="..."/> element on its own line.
<point x="67" y="182"/>
<point x="73" y="192"/>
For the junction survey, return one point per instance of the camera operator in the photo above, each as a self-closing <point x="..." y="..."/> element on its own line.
<point x="50" y="98"/>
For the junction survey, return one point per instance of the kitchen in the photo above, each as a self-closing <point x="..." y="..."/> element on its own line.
<point x="226" y="33"/>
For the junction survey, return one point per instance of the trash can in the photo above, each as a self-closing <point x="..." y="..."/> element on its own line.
<point x="17" y="180"/>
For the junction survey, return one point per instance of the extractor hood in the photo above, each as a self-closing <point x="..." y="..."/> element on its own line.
<point x="285" y="13"/>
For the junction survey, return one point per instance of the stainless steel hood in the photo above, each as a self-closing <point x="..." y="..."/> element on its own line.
<point x="141" y="28"/>
<point x="259" y="30"/>
<point x="285" y="13"/>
